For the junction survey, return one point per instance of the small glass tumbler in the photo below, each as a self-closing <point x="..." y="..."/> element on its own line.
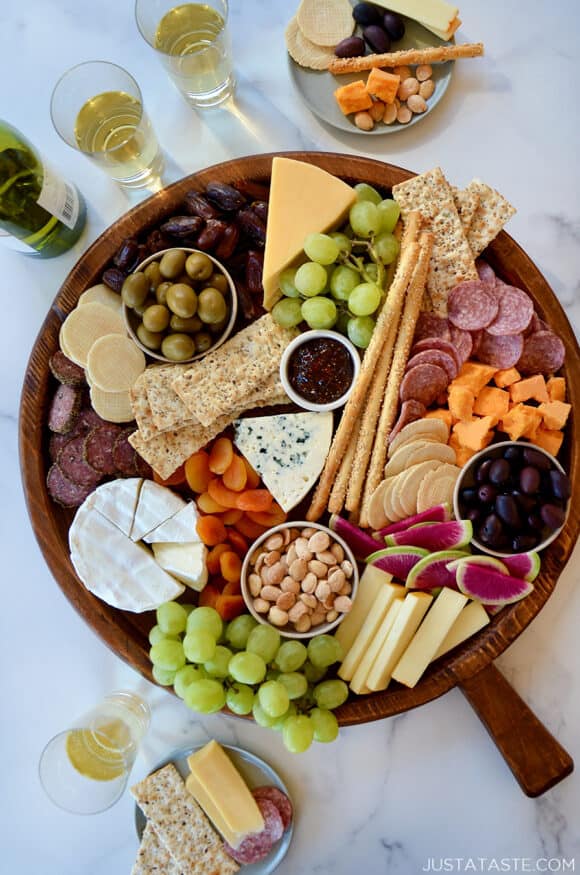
<point x="193" y="43"/>
<point x="97" y="108"/>
<point x="85" y="768"/>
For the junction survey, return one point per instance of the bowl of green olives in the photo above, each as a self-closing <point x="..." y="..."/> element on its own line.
<point x="179" y="304"/>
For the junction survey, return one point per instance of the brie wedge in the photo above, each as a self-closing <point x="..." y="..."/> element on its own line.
<point x="178" y="529"/>
<point x="156" y="505"/>
<point x="186" y="562"/>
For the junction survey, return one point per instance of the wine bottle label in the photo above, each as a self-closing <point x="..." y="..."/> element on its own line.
<point x="59" y="198"/>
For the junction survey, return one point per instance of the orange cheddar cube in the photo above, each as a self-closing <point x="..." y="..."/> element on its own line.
<point x="383" y="85"/>
<point x="461" y="401"/>
<point x="475" y="376"/>
<point x="531" y="388"/>
<point x="492" y="402"/>
<point x="548" y="440"/>
<point x="555" y="414"/>
<point x="474" y="435"/>
<point x="556" y="387"/>
<point x="353" y="97"/>
<point x="506" y="377"/>
<point x="521" y="421"/>
<point x="462" y="454"/>
<point x="440" y="413"/>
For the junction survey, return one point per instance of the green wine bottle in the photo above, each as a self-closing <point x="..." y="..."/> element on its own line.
<point x="37" y="207"/>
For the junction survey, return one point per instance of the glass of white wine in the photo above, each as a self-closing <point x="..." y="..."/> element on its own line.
<point x="85" y="768"/>
<point x="193" y="43"/>
<point x="97" y="108"/>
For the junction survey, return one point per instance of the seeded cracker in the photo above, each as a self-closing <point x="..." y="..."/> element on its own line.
<point x="304" y="52"/>
<point x="491" y="215"/>
<point x="153" y="858"/>
<point x="167" y="408"/>
<point x="466" y="201"/>
<point x="325" y="22"/>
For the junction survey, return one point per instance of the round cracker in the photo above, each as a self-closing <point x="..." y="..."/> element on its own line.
<point x="102" y="294"/>
<point x="325" y="22"/>
<point x="388" y="505"/>
<point x="420" y="450"/>
<point x="304" y="52"/>
<point x="437" y="487"/>
<point x="411" y="481"/>
<point x="435" y="429"/>
<point x="112" y="406"/>
<point x="376" y="515"/>
<point x="114" y="362"/>
<point x="84" y="326"/>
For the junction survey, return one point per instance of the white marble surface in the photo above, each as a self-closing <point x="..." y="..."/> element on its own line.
<point x="391" y="795"/>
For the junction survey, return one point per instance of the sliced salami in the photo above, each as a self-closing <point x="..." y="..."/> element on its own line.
<point x="124" y="456"/>
<point x="436" y="343"/>
<point x="258" y="845"/>
<point x="431" y="325"/>
<point x="89" y="419"/>
<point x="279" y="799"/>
<point x="485" y="272"/>
<point x="99" y="445"/>
<point x="501" y="351"/>
<point x="462" y="341"/>
<point x="411" y="410"/>
<point x="64" y="409"/>
<point x="543" y="353"/>
<point x="476" y="337"/>
<point x="65" y="371"/>
<point x="72" y="462"/>
<point x="57" y="442"/>
<point x="435" y="357"/>
<point x="536" y="324"/>
<point x="63" y="490"/>
<point x="515" y="311"/>
<point x="470" y="305"/>
<point x="423" y="383"/>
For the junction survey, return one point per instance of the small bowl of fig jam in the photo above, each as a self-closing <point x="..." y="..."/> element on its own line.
<point x="319" y="369"/>
<point x="516" y="495"/>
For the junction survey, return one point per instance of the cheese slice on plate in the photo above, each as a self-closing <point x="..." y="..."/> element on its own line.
<point x="406" y="624"/>
<point x="372" y="579"/>
<point x="433" y="14"/>
<point x="288" y="451"/>
<point x="186" y="562"/>
<point x="156" y="505"/>
<point x="178" y="529"/>
<point x="385" y="597"/>
<point x="303" y="199"/>
<point x="117" y="501"/>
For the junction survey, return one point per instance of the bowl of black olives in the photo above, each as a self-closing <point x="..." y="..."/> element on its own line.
<point x="516" y="495"/>
<point x="179" y="304"/>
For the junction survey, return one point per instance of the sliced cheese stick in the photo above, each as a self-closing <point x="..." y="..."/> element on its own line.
<point x="358" y="683"/>
<point x="406" y="624"/>
<point x="372" y="579"/>
<point x="375" y="617"/>
<point x="472" y="618"/>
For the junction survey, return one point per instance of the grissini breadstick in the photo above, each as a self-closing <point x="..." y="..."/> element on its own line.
<point x="429" y="55"/>
<point x="400" y="356"/>
<point x="338" y="493"/>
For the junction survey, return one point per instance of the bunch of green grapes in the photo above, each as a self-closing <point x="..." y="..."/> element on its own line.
<point x="251" y="669"/>
<point x="342" y="284"/>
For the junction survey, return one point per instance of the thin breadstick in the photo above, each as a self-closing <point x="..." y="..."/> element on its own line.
<point x="356" y="399"/>
<point x="338" y="493"/>
<point x="413" y="221"/>
<point x="400" y="356"/>
<point x="429" y="55"/>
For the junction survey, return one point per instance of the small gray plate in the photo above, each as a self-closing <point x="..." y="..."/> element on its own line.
<point x="317" y="87"/>
<point x="256" y="773"/>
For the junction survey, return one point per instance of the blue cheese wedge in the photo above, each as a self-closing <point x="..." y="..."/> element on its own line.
<point x="156" y="505"/>
<point x="178" y="529"/>
<point x="288" y="451"/>
<point x="186" y="562"/>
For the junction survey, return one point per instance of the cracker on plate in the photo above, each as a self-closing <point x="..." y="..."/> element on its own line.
<point x="466" y="201"/>
<point x="153" y="858"/>
<point x="325" y="22"/>
<point x="167" y="408"/>
<point x="305" y="52"/>
<point x="492" y="213"/>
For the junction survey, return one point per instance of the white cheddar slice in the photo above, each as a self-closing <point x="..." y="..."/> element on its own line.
<point x="472" y="618"/>
<point x="429" y="636"/>
<point x="178" y="529"/>
<point x="406" y="624"/>
<point x="358" y="683"/>
<point x="117" y="501"/>
<point x="288" y="451"/>
<point x="156" y="504"/>
<point x="431" y="13"/>
<point x="369" y="628"/>
<point x="372" y="579"/>
<point x="186" y="562"/>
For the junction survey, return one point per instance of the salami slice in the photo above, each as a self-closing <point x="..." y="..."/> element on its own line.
<point x="462" y="341"/>
<point x="279" y="799"/>
<point x="423" y="383"/>
<point x="63" y="490"/>
<point x="501" y="351"/>
<point x="99" y="445"/>
<point x="258" y="845"/>
<point x="89" y="419"/>
<point x="515" y="311"/>
<point x="411" y="410"/>
<point x="71" y="460"/>
<point x="485" y="272"/>
<point x="470" y="306"/>
<point x="436" y="343"/>
<point x="435" y="357"/>
<point x="536" y="324"/>
<point x="431" y="325"/>
<point x="64" y="409"/>
<point x="543" y="353"/>
<point x="124" y="455"/>
<point x="57" y="442"/>
<point x="65" y="371"/>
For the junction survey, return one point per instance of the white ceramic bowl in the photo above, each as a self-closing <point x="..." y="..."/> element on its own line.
<point x="305" y="338"/>
<point x="288" y="632"/>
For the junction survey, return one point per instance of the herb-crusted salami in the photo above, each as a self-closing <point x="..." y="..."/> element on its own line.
<point x="470" y="306"/>
<point x="64" y="409"/>
<point x="99" y="445"/>
<point x="124" y="456"/>
<point x="543" y="353"/>
<point x="63" y="490"/>
<point x="65" y="371"/>
<point x="73" y="464"/>
<point x="501" y="351"/>
<point x="515" y="311"/>
<point x="258" y="845"/>
<point x="424" y="383"/>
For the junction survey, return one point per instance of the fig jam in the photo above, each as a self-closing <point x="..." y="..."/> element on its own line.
<point x="321" y="370"/>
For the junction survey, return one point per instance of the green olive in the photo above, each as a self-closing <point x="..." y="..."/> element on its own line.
<point x="150" y="339"/>
<point x="135" y="289"/>
<point x="178" y="347"/>
<point x="153" y="274"/>
<point x="156" y="318"/>
<point x="148" y="302"/>
<point x="182" y="300"/>
<point x="203" y="341"/>
<point x="191" y="325"/>
<point x="217" y="327"/>
<point x="198" y="266"/>
<point x="161" y="292"/>
<point x="219" y="281"/>
<point x="172" y="263"/>
<point x="211" y="307"/>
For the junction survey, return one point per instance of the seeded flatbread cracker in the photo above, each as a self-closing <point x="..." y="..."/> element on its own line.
<point x="153" y="858"/>
<point x="466" y="201"/>
<point x="305" y="52"/>
<point x="181" y="825"/>
<point x="325" y="22"/>
<point x="492" y="213"/>
<point x="167" y="408"/>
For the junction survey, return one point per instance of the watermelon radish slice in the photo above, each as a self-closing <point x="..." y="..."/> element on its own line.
<point x="439" y="536"/>
<point x="481" y="582"/>
<point x="359" y="542"/>
<point x="397" y="561"/>
<point x="438" y="514"/>
<point x="435" y="570"/>
<point x="524" y="565"/>
<point x="489" y="561"/>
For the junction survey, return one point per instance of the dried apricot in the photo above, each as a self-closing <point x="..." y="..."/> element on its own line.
<point x="221" y="455"/>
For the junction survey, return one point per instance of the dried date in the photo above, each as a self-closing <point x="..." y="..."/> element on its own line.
<point x="182" y="226"/>
<point x="249" y="306"/>
<point x="225" y="197"/>
<point x="114" y="278"/>
<point x="254" y="269"/>
<point x="260" y="208"/>
<point x="253" y="190"/>
<point x="228" y="242"/>
<point x="127" y="254"/>
<point x="252" y="226"/>
<point x="211" y="234"/>
<point x="156" y="241"/>
<point x="198" y="205"/>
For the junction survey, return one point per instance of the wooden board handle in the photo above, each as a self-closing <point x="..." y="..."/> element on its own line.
<point x="536" y="759"/>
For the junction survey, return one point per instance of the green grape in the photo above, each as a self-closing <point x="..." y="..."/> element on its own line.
<point x="278" y="724"/>
<point x="240" y="698"/>
<point x="387" y="247"/>
<point x="217" y="666"/>
<point x="313" y="673"/>
<point x="188" y="608"/>
<point x="364" y="299"/>
<point x="199" y="645"/>
<point x="168" y="655"/>
<point x="287" y="313"/>
<point x="360" y="330"/>
<point x="324" y="650"/>
<point x="297" y="733"/>
<point x="291" y="656"/>
<point x="247" y="668"/>
<point x="330" y="694"/>
<point x="260" y="716"/>
<point x="205" y="696"/>
<point x="156" y="634"/>
<point x="208" y="619"/>
<point x="310" y="279"/>
<point x="325" y="725"/>
<point x="319" y="312"/>
<point x="238" y="630"/>
<point x="365" y="192"/>
<point x="344" y="242"/>
<point x="286" y="283"/>
<point x="163" y="676"/>
<point x="321" y="248"/>
<point x="390" y="212"/>
<point x="342" y="281"/>
<point x="296" y="684"/>
<point x="186" y="676"/>
<point x="273" y="698"/>
<point x="365" y="218"/>
<point x="171" y="618"/>
<point x="265" y="641"/>
<point x="371" y="270"/>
